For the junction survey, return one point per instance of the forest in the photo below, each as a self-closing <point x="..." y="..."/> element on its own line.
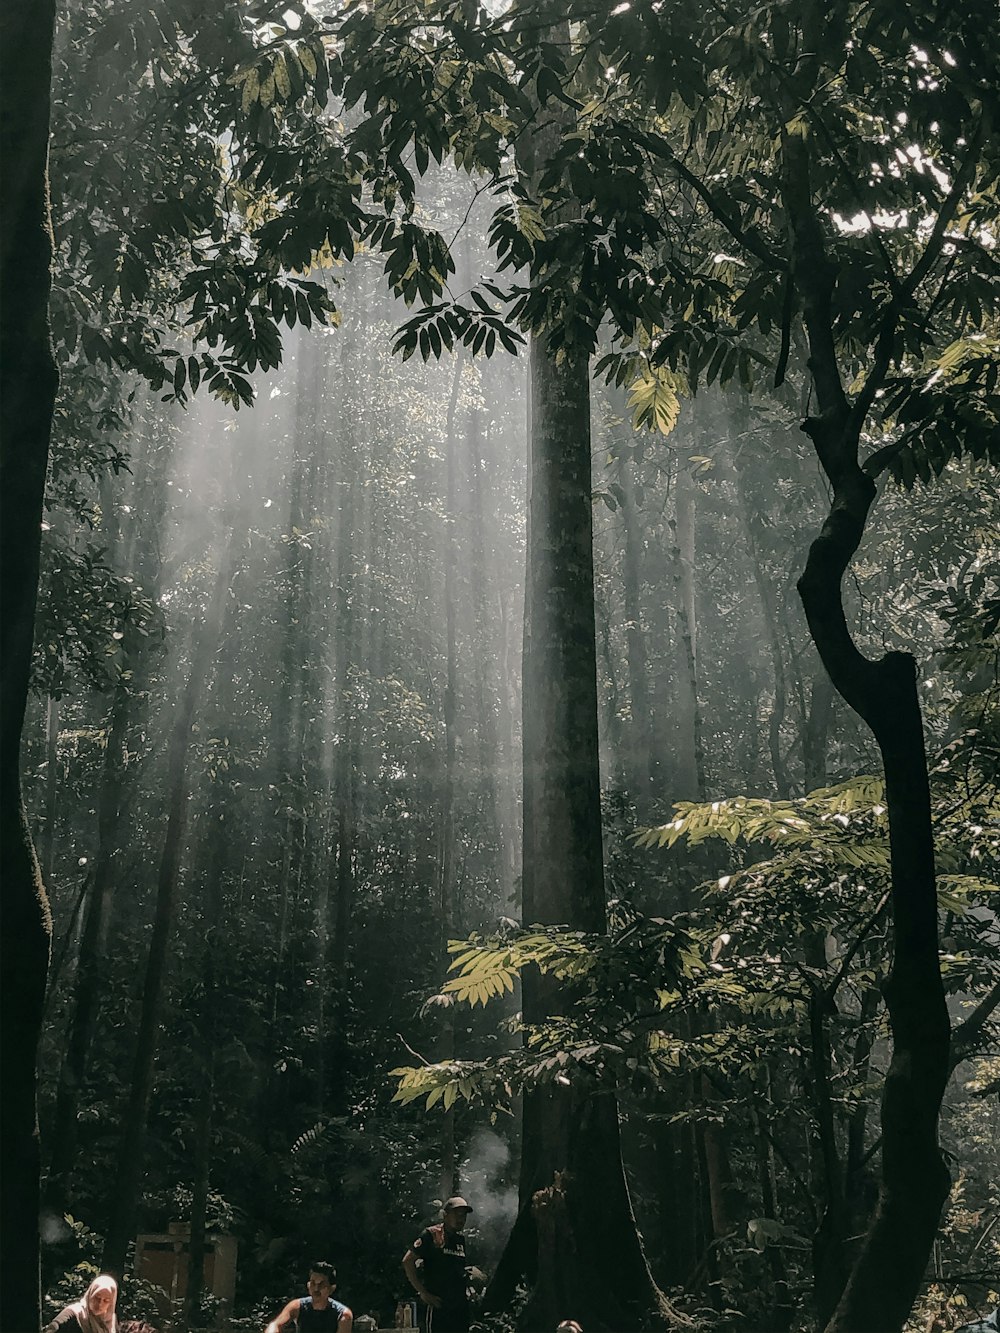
<point x="501" y="660"/>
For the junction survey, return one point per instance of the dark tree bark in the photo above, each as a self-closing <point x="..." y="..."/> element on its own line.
<point x="131" y="1153"/>
<point x="570" y="1140"/>
<point x="28" y="382"/>
<point x="914" y="1183"/>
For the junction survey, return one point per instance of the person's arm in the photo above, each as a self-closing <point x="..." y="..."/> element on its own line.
<point x="64" y="1322"/>
<point x="410" y="1269"/>
<point x="288" y="1316"/>
<point x="345" y="1324"/>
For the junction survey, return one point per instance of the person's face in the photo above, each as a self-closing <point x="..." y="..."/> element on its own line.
<point x="319" y="1289"/>
<point x="101" y="1302"/>
<point x="454" y="1219"/>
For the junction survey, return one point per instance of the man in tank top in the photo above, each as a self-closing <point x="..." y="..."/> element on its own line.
<point x="318" y="1312"/>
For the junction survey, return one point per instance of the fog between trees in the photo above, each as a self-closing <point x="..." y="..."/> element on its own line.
<point x="324" y="684"/>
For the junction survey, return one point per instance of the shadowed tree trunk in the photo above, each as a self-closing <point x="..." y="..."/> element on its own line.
<point x="783" y="1309"/>
<point x="128" y="708"/>
<point x="216" y="842"/>
<point x="814" y="743"/>
<point x="641" y="730"/>
<point x="28" y="383"/>
<point x="131" y="1153"/>
<point x="570" y="1140"/>
<point x="769" y="613"/>
<point x="51" y="787"/>
<point x="690" y="784"/>
<point x="202" y="1165"/>
<point x="91" y="967"/>
<point x="914" y="1183"/>
<point x="447" y="873"/>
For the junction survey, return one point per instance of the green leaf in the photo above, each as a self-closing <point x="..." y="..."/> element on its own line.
<point x="654" y="401"/>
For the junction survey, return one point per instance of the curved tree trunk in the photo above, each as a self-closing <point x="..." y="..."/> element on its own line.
<point x="28" y="381"/>
<point x="887" y="1274"/>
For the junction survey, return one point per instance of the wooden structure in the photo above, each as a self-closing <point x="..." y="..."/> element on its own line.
<point x="162" y="1259"/>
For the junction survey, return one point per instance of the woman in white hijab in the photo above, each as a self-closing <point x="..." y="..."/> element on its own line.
<point x="93" y="1313"/>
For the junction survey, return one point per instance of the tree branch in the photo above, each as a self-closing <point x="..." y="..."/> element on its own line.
<point x="947" y="210"/>
<point x="967" y="1034"/>
<point x="660" y="148"/>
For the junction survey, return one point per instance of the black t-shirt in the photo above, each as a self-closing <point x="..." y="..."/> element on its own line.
<point x="443" y="1253"/>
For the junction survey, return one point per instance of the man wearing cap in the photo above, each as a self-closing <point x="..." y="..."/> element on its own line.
<point x="441" y="1282"/>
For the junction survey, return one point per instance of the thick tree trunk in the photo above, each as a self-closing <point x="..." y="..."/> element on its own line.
<point x="570" y="1140"/>
<point x="28" y="383"/>
<point x="131" y="1154"/>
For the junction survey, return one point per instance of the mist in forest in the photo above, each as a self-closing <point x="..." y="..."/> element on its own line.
<point x="275" y="772"/>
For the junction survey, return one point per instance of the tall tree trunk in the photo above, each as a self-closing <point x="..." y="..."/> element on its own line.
<point x="769" y="613"/>
<point x="216" y="843"/>
<point x="691" y="759"/>
<point x="783" y="1309"/>
<point x="449" y="1163"/>
<point x="28" y="382"/>
<point x="51" y="787"/>
<point x="491" y="778"/>
<point x="616" y="757"/>
<point x="691" y="785"/>
<point x="127" y="710"/>
<point x="131" y="1153"/>
<point x="207" y="1025"/>
<point x="90" y="973"/>
<point x="814" y="742"/>
<point x="641" y="760"/>
<point x="570" y="1141"/>
<point x="914" y="1184"/>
